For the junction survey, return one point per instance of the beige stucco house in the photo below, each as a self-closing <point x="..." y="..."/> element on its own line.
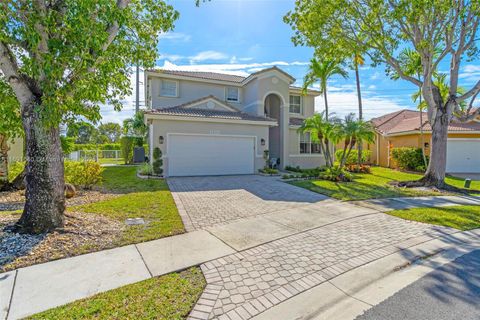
<point x="402" y="129"/>
<point x="216" y="124"/>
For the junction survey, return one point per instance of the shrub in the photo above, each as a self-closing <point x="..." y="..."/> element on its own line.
<point x="14" y="169"/>
<point x="84" y="174"/>
<point x="127" y="144"/>
<point x="146" y="169"/>
<point x="293" y="169"/>
<point x="353" y="156"/>
<point x="409" y="158"/>
<point x="68" y="145"/>
<point x="268" y="171"/>
<point x="157" y="161"/>
<point x="336" y="173"/>
<point x="359" y="168"/>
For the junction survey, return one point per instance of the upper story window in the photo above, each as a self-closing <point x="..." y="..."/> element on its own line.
<point x="232" y="94"/>
<point x="168" y="88"/>
<point x="306" y="145"/>
<point x="296" y="104"/>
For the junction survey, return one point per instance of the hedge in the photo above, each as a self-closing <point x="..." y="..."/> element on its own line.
<point x="409" y="158"/>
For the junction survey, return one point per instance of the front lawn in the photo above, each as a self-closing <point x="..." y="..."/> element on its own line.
<point x="458" y="217"/>
<point x="374" y="185"/>
<point x="167" y="297"/>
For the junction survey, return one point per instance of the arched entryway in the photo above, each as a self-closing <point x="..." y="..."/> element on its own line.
<point x="273" y="109"/>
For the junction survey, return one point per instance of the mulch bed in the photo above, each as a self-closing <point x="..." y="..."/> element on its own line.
<point x="82" y="232"/>
<point x="11" y="201"/>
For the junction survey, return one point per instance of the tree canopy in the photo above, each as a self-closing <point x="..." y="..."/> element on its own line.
<point x="76" y="55"/>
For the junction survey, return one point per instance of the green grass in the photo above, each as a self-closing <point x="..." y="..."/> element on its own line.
<point x="148" y="199"/>
<point x="374" y="185"/>
<point x="111" y="161"/>
<point x="458" y="217"/>
<point x="168" y="297"/>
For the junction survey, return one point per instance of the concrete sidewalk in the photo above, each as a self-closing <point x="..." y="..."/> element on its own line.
<point x="389" y="204"/>
<point x="29" y="290"/>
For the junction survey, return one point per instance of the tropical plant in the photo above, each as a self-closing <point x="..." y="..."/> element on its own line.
<point x="135" y="126"/>
<point x="157" y="161"/>
<point x="382" y="29"/>
<point x="63" y="60"/>
<point x="322" y="131"/>
<point x="352" y="132"/>
<point x="322" y="71"/>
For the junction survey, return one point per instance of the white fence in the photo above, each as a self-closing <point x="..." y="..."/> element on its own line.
<point x="104" y="156"/>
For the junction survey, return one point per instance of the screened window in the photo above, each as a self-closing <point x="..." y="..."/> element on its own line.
<point x="295" y="104"/>
<point x="306" y="145"/>
<point x="168" y="88"/>
<point x="233" y="94"/>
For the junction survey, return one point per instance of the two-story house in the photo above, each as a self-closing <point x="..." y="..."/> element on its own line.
<point x="217" y="124"/>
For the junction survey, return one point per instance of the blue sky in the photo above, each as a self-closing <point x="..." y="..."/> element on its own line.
<point x="244" y="36"/>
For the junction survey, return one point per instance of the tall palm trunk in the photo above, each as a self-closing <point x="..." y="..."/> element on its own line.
<point x="44" y="175"/>
<point x="360" y="111"/>
<point x="3" y="162"/>
<point x="422" y="137"/>
<point x="325" y="99"/>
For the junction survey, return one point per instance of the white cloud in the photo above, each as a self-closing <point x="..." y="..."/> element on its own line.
<point x="343" y="102"/>
<point x="175" y="36"/>
<point x="242" y="69"/>
<point x="208" y="55"/>
<point x="470" y="73"/>
<point x="171" y="57"/>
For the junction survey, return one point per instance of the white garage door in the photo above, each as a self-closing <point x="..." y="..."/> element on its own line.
<point x="199" y="155"/>
<point x="463" y="156"/>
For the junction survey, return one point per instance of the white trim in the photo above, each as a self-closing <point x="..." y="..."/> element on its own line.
<point x="151" y="131"/>
<point x="301" y="104"/>
<point x="177" y="89"/>
<point x="207" y="99"/>
<point x="464" y="139"/>
<point x="226" y="94"/>
<point x="406" y="133"/>
<point x="176" y="77"/>
<point x="255" y="139"/>
<point x="273" y="92"/>
<point x="213" y="120"/>
<point x="307" y="155"/>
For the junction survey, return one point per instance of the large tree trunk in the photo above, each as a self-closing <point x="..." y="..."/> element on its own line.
<point x="360" y="111"/>
<point x="440" y="117"/>
<point x="44" y="176"/>
<point x="3" y="162"/>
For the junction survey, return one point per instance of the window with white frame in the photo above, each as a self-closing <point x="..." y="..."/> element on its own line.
<point x="169" y="88"/>
<point x="295" y="104"/>
<point x="232" y="94"/>
<point x="306" y="145"/>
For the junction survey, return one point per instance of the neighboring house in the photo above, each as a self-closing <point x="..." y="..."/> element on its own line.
<point x="402" y="129"/>
<point x="15" y="153"/>
<point x="214" y="124"/>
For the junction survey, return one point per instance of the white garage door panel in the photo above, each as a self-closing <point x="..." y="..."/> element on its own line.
<point x="463" y="156"/>
<point x="192" y="155"/>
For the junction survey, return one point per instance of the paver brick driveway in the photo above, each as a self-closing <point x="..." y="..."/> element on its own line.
<point x="209" y="201"/>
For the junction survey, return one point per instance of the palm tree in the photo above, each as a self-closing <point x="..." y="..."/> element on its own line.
<point x="323" y="71"/>
<point x="353" y="131"/>
<point x="322" y="131"/>
<point x="135" y="126"/>
<point x="358" y="61"/>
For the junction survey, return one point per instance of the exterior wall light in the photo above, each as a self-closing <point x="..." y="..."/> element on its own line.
<point x="262" y="142"/>
<point x="160" y="139"/>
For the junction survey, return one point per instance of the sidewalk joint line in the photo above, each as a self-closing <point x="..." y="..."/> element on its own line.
<point x="144" y="262"/>
<point x="349" y="295"/>
<point x="222" y="241"/>
<point x="11" y="294"/>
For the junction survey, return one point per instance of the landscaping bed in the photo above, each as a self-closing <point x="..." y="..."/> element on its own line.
<point x="377" y="184"/>
<point x="96" y="220"/>
<point x="167" y="297"/>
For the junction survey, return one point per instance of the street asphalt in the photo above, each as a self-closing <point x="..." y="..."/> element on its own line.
<point x="450" y="292"/>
